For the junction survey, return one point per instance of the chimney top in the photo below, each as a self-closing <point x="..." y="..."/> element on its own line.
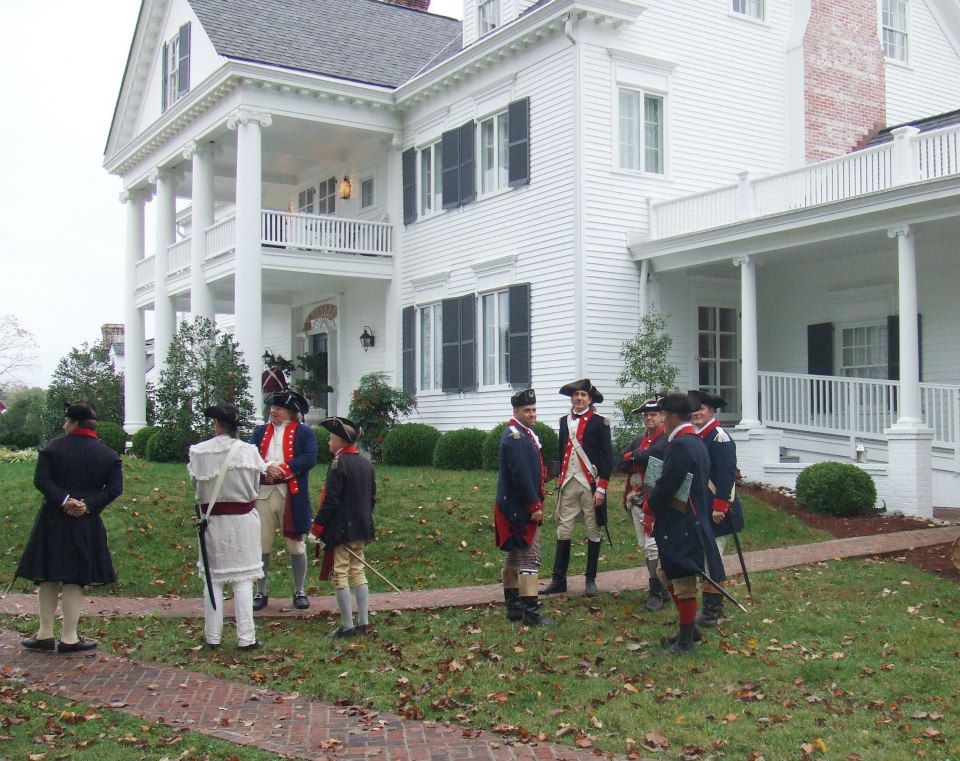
<point x="417" y="5"/>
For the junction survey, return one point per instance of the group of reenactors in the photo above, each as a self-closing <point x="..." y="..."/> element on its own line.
<point x="248" y="492"/>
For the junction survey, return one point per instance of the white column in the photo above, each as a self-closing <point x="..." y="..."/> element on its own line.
<point x="247" y="300"/>
<point x="644" y="306"/>
<point x="392" y="323"/>
<point x="134" y="366"/>
<point x="749" y="365"/>
<point x="202" y="155"/>
<point x="164" y="316"/>
<point x="909" y="329"/>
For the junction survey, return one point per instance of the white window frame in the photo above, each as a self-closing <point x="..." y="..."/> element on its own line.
<point x="641" y="167"/>
<point x="307" y="200"/>
<point x="172" y="85"/>
<point x="501" y="330"/>
<point x="488" y="16"/>
<point x="897" y="48"/>
<point x="499" y="154"/>
<point x="751" y="9"/>
<point x="432" y="202"/>
<point x="855" y="369"/>
<point x="433" y="312"/>
<point x="733" y="411"/>
<point x="370" y="177"/>
<point x="324" y="194"/>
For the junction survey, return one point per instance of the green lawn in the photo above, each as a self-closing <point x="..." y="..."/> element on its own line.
<point x="433" y="525"/>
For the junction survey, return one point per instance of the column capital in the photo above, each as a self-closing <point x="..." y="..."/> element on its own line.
<point x="165" y="173"/>
<point x="195" y="147"/>
<point x="739" y="261"/>
<point x="899" y="230"/>
<point x="248" y="116"/>
<point x="136" y="195"/>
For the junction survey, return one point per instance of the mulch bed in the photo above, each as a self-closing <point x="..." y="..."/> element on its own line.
<point x="934" y="559"/>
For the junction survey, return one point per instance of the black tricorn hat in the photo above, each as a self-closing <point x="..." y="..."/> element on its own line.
<point x="288" y="399"/>
<point x="225" y="413"/>
<point x="583" y="384"/>
<point x="711" y="400"/>
<point x="80" y="412"/>
<point x="677" y="401"/>
<point x="342" y="427"/>
<point x="524" y="398"/>
<point x="651" y="405"/>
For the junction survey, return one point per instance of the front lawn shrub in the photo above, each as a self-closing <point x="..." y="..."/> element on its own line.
<point x="324" y="457"/>
<point x="170" y="444"/>
<point x="461" y="449"/>
<point x="549" y="443"/>
<point x="113" y="436"/>
<point x="139" y="441"/>
<point x="836" y="488"/>
<point x="410" y="444"/>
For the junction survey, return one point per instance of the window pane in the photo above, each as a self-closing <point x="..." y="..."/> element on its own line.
<point x="489" y="339"/>
<point x="629" y="129"/>
<point x="653" y="133"/>
<point x="426" y="181"/>
<point x="728" y="320"/>
<point x="438" y="175"/>
<point x="728" y="347"/>
<point x="426" y="349"/>
<point x="705" y="318"/>
<point x="503" y="150"/>
<point x="487" y="166"/>
<point x="504" y="343"/>
<point x="437" y="346"/>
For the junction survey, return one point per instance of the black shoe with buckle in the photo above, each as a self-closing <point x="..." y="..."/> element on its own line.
<point x="80" y="646"/>
<point x="340" y="632"/>
<point x="45" y="645"/>
<point x="251" y="646"/>
<point x="260" y="601"/>
<point x="300" y="601"/>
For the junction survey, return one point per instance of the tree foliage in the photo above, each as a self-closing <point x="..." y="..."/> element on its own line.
<point x="377" y="407"/>
<point x="646" y="371"/>
<point x="20" y="425"/>
<point x="18" y="352"/>
<point x="204" y="367"/>
<point x="86" y="375"/>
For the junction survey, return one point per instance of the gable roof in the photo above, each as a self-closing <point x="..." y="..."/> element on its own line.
<point x="938" y="121"/>
<point x="359" y="40"/>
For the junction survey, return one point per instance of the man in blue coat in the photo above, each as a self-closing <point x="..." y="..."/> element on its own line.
<point x="726" y="511"/>
<point x="289" y="448"/>
<point x="518" y="511"/>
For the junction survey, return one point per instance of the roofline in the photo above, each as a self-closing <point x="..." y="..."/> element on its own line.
<point x="137" y="34"/>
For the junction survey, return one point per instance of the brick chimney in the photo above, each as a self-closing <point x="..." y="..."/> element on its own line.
<point x="844" y="77"/>
<point x="417" y="5"/>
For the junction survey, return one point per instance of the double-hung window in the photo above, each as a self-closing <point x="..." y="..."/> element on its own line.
<point x="494" y="152"/>
<point x="641" y="131"/>
<point x="431" y="347"/>
<point x="893" y="21"/>
<point x="863" y="350"/>
<point x="327" y="197"/>
<point x="431" y="179"/>
<point x="488" y="15"/>
<point x="751" y="8"/>
<point x="495" y="344"/>
<point x="175" y="68"/>
<point x="307" y="200"/>
<point x="367" y="198"/>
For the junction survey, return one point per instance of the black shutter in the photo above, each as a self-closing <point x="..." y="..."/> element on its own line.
<point x="518" y="336"/>
<point x="332" y="190"/>
<point x="820" y="349"/>
<point x="468" y="342"/>
<point x="468" y="163"/>
<point x="183" y="65"/>
<point x="893" y="346"/>
<point x="409" y="172"/>
<point x="518" y="116"/>
<point x="451" y="169"/>
<point x="408" y="315"/>
<point x="451" y="345"/>
<point x="164" y="73"/>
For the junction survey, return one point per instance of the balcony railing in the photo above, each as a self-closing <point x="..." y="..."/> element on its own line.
<point x="178" y="256"/>
<point x="145" y="272"/>
<point x="221" y="237"/>
<point x="912" y="156"/>
<point x="311" y="232"/>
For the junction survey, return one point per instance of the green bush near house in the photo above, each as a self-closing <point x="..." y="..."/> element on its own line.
<point x="461" y="449"/>
<point x="113" y="436"/>
<point x="549" y="443"/>
<point x="324" y="456"/>
<point x="171" y="444"/>
<point x="836" y="488"/>
<point x="139" y="440"/>
<point x="410" y="444"/>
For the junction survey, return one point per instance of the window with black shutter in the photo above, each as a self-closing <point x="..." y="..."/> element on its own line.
<point x="518" y="366"/>
<point x="451" y="345"/>
<point x="175" y="68"/>
<point x="893" y="346"/>
<point x="820" y="362"/>
<point x="451" y="168"/>
<point x="460" y="344"/>
<point x="519" y="142"/>
<point x="409" y="171"/>
<point x="408" y="342"/>
<point x="468" y="163"/>
<point x="183" y="69"/>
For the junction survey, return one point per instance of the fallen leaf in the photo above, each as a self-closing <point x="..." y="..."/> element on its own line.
<point x="656" y="740"/>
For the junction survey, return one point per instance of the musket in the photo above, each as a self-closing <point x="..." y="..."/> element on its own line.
<point x="204" y="558"/>
<point x="721" y="590"/>
<point x="356" y="556"/>
<point x="743" y="564"/>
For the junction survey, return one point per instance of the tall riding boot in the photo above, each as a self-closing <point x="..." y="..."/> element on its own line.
<point x="712" y="610"/>
<point x="593" y="560"/>
<point x="657" y="594"/>
<point x="530" y="603"/>
<point x="686" y="640"/>
<point x="561" y="561"/>
<point x="511" y="596"/>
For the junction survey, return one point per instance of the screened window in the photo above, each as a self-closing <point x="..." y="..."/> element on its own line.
<point x="494" y="153"/>
<point x="495" y="345"/>
<point x="488" y="15"/>
<point x="431" y="347"/>
<point x="751" y="8"/>
<point x="863" y="351"/>
<point x="431" y="179"/>
<point x="641" y="131"/>
<point x="894" y="25"/>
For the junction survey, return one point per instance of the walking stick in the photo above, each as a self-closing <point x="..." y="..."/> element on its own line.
<point x="394" y="586"/>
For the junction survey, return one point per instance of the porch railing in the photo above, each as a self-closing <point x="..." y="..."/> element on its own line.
<point x="321" y="233"/>
<point x="178" y="256"/>
<point x="144" y="276"/>
<point x="221" y="237"/>
<point x="854" y="407"/>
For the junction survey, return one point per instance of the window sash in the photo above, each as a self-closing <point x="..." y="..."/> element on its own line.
<point x="426" y="180"/>
<point x="864" y="351"/>
<point x="494" y="153"/>
<point x="306" y="201"/>
<point x="366" y="193"/>
<point x="641" y="142"/>
<point x="326" y="203"/>
<point x="488" y="16"/>
<point x="894" y="34"/>
<point x="431" y="347"/>
<point x="495" y="350"/>
<point x="173" y="69"/>
<point x="751" y="8"/>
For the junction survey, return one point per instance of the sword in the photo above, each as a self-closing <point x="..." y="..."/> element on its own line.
<point x="609" y="540"/>
<point x="357" y="557"/>
<point x="743" y="565"/>
<point x="201" y="531"/>
<point x="721" y="590"/>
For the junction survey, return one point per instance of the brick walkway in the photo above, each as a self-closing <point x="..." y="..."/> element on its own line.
<point x="294" y="726"/>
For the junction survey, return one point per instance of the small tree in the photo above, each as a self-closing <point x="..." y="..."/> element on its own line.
<point x="204" y="367"/>
<point x="86" y="375"/>
<point x="20" y="425"/>
<point x="18" y="352"/>
<point x="376" y="406"/>
<point x="646" y="371"/>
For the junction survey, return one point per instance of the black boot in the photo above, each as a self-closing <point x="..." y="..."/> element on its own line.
<point x="531" y="612"/>
<point x="658" y="594"/>
<point x="697" y="635"/>
<point x="687" y="639"/>
<point x="511" y="596"/>
<point x="712" y="610"/>
<point x="561" y="561"/>
<point x="593" y="559"/>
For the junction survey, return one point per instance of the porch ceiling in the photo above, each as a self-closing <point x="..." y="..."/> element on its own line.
<point x="285" y="288"/>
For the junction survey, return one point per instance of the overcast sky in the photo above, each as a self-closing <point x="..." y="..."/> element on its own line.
<point x="62" y="227"/>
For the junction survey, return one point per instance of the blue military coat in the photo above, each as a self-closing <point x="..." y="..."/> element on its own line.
<point x="301" y="458"/>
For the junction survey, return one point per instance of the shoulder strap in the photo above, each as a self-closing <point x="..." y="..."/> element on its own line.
<point x="220" y="476"/>
<point x="578" y="448"/>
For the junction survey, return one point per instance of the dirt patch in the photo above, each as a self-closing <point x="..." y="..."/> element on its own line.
<point x="934" y="559"/>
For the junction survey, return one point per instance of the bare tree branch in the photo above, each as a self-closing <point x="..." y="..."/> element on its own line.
<point x="18" y="352"/>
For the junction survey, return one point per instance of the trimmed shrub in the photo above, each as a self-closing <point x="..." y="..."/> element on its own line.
<point x="323" y="446"/>
<point x="549" y="443"/>
<point x="139" y="440"/>
<point x="836" y="488"/>
<point x="461" y="449"/>
<point x="113" y="436"/>
<point x="410" y="444"/>
<point x="170" y="444"/>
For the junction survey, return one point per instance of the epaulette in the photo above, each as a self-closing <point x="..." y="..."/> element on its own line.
<point x="722" y="436"/>
<point x="334" y="462"/>
<point x="606" y="420"/>
<point x="514" y="433"/>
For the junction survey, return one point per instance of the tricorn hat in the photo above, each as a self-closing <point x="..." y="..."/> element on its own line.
<point x="342" y="427"/>
<point x="651" y="405"/>
<point x="80" y="412"/>
<point x="679" y="402"/>
<point x="288" y="399"/>
<point x="711" y="400"/>
<point x="524" y="398"/>
<point x="583" y="384"/>
<point x="225" y="413"/>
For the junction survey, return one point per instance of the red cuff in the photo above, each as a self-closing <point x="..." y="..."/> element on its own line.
<point x="317" y="530"/>
<point x="720" y="505"/>
<point x="287" y="472"/>
<point x="534" y="507"/>
<point x="602" y="484"/>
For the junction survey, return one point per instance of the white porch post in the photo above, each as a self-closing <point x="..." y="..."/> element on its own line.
<point x="909" y="338"/>
<point x="164" y="317"/>
<point x="248" y="278"/>
<point x="393" y="356"/>
<point x="644" y="306"/>
<point x="750" y="383"/>
<point x="202" y="155"/>
<point x="134" y="370"/>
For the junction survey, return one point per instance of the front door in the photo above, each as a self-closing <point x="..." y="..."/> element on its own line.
<point x="718" y="360"/>
<point x="319" y="347"/>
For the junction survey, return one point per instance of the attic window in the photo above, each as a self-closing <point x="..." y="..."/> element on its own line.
<point x="488" y="15"/>
<point x="176" y="67"/>
<point x="751" y="8"/>
<point x="894" y="24"/>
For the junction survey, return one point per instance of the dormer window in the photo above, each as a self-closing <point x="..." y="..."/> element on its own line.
<point x="176" y="67"/>
<point x="894" y="24"/>
<point x="488" y="16"/>
<point x="750" y="8"/>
